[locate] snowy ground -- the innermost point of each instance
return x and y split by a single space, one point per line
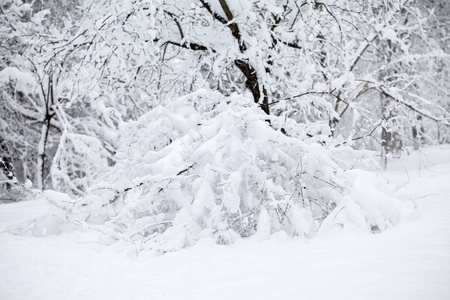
409 261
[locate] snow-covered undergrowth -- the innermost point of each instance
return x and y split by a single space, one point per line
212 166
409 261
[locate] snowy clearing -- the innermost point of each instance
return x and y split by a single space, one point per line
408 261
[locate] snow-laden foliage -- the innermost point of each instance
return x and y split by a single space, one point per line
219 171
213 166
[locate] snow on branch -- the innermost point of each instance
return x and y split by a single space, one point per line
394 94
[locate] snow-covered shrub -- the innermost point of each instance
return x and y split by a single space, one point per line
205 167
211 166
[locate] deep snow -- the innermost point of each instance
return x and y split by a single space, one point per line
408 261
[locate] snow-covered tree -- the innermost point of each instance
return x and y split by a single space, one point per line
316 61
389 94
41 102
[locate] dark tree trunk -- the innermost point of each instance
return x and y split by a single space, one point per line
253 85
417 133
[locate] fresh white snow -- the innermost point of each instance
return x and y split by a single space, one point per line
408 261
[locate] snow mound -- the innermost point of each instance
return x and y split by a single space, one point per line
371 206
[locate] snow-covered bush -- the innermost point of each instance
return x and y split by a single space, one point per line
212 166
